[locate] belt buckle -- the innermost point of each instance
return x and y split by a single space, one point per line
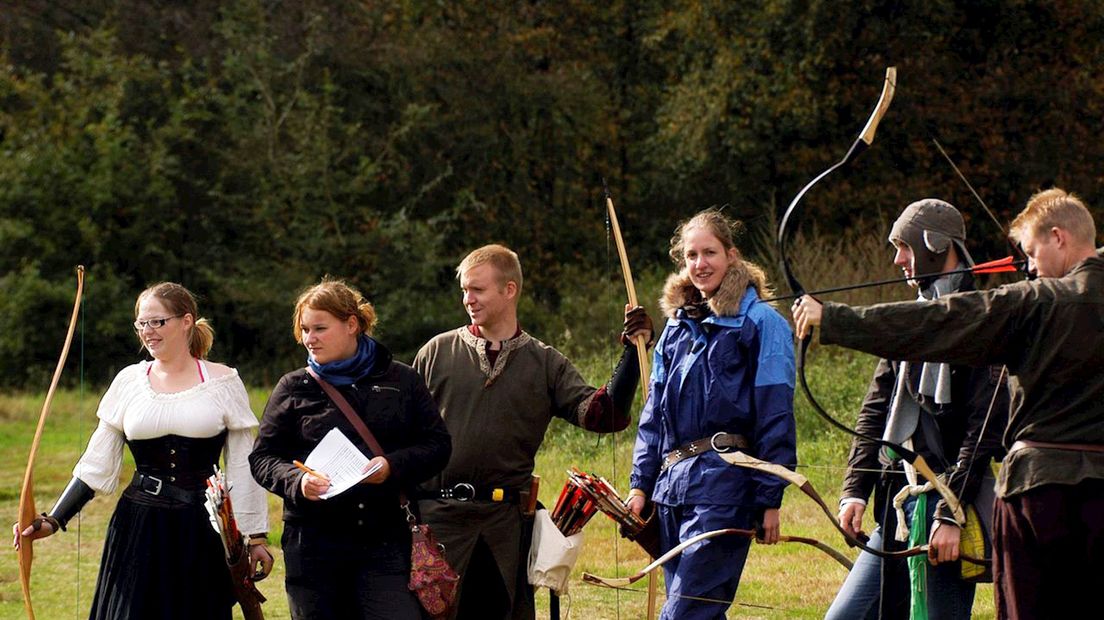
713 443
467 489
156 491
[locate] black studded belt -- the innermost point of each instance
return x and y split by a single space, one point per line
719 442
161 487
466 492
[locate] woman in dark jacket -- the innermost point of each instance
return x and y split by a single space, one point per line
348 556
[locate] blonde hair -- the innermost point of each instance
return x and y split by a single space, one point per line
1055 208
180 301
502 258
725 229
337 298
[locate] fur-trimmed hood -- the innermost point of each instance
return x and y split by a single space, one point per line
679 291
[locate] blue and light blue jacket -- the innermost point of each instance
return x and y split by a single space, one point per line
732 371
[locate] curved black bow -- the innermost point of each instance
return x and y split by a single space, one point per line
862 142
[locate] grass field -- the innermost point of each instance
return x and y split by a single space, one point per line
783 581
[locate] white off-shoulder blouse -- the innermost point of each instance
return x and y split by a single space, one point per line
131 409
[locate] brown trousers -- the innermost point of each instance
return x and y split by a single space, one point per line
1048 557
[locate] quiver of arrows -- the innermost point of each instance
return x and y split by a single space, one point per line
584 494
220 512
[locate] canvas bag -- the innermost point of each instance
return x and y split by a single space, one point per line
552 555
977 533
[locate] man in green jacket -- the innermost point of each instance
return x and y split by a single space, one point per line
1048 555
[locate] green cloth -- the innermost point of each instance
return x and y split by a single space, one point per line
918 564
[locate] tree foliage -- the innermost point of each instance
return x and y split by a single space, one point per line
246 149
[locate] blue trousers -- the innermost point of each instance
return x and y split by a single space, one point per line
949 597
707 570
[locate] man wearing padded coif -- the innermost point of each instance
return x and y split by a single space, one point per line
935 233
937 410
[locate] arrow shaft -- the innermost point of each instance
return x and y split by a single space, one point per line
1006 265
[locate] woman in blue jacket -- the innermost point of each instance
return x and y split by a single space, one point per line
723 380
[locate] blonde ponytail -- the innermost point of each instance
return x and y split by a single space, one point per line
201 339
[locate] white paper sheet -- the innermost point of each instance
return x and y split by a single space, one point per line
341 461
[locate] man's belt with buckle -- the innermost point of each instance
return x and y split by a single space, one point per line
718 442
466 492
152 485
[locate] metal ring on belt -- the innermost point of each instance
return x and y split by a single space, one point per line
713 442
466 492
461 492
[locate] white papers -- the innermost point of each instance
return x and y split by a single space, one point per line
339 459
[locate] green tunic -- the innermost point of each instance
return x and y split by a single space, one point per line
497 417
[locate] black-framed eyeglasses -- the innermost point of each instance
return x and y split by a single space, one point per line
154 323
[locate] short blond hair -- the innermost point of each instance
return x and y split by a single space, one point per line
502 258
1055 208
337 298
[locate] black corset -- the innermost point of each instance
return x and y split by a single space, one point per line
181 461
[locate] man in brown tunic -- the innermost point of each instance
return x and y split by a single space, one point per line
1048 556
498 389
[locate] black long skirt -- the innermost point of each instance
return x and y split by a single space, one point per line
161 560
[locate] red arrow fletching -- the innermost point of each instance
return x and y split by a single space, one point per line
1000 265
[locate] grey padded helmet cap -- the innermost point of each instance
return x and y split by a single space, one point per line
928 227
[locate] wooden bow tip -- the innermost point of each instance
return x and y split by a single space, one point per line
614 582
889 87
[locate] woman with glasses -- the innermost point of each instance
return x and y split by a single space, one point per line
348 555
178 413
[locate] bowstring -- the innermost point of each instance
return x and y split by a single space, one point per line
80 442
613 439
1002 379
840 468
703 599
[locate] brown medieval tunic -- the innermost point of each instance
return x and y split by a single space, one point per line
497 415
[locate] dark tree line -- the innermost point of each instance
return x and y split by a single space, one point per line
245 149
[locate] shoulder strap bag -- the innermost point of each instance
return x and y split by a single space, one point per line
432 580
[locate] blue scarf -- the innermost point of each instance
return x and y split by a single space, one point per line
350 369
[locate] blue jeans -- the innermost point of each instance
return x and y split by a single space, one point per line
949 597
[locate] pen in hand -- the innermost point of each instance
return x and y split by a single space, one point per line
310 471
